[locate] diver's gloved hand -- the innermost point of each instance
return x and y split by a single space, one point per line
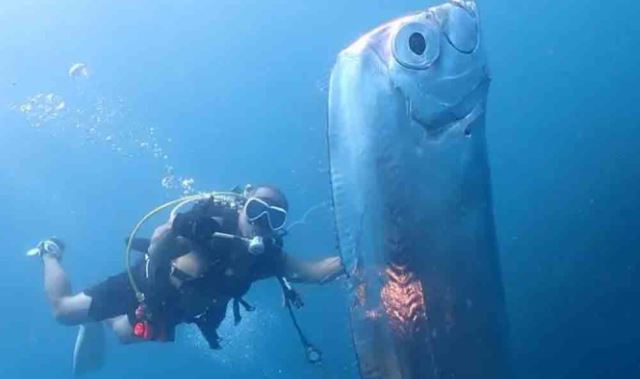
51 247
195 227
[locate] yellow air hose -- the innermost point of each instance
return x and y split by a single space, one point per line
177 204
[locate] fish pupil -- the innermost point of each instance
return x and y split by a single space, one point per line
417 43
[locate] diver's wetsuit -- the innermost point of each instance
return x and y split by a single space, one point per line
231 271
115 296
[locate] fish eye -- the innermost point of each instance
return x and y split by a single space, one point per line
417 45
461 28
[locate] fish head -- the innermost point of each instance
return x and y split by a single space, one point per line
406 121
434 59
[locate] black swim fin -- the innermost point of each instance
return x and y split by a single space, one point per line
89 351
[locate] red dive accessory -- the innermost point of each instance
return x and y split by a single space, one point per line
142 327
148 328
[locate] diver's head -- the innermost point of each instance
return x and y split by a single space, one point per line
264 212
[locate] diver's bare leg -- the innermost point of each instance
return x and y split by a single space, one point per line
123 329
68 309
56 283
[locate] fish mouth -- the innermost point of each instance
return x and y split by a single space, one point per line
453 118
433 130
456 126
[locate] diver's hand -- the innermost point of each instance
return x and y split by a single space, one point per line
195 228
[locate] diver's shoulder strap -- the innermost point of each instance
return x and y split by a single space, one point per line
237 302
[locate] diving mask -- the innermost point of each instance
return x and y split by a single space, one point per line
256 208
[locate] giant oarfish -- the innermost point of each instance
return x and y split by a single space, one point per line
412 198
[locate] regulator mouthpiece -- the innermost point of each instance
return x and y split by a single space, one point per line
256 245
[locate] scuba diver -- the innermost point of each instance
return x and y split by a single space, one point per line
195 265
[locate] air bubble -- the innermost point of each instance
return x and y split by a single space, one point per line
79 70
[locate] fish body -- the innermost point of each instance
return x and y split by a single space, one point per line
412 198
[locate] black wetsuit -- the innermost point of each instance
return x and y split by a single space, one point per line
232 270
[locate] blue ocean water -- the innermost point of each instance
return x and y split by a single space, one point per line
190 96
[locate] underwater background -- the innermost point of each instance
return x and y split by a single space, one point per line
180 97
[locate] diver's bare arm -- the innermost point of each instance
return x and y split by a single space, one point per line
319 272
166 245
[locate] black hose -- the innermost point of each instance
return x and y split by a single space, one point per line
313 354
